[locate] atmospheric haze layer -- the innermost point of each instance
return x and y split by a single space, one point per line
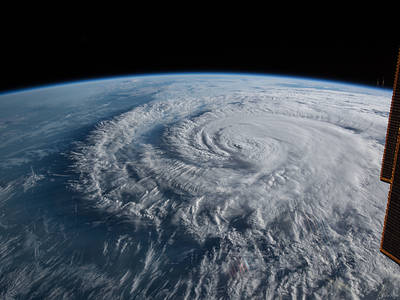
194 186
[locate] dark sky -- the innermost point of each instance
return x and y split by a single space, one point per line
42 55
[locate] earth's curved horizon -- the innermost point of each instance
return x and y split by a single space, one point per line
75 81
194 186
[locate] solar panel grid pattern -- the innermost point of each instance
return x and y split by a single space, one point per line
392 129
390 243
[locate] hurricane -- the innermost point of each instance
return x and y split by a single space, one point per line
229 187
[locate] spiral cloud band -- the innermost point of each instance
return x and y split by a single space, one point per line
244 186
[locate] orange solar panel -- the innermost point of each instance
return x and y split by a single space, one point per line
390 243
392 130
390 172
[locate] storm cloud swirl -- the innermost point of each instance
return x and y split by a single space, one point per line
243 191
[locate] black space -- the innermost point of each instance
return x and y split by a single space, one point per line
37 56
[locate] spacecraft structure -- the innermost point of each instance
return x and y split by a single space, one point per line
390 173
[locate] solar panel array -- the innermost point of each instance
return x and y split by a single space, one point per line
390 172
390 243
392 130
